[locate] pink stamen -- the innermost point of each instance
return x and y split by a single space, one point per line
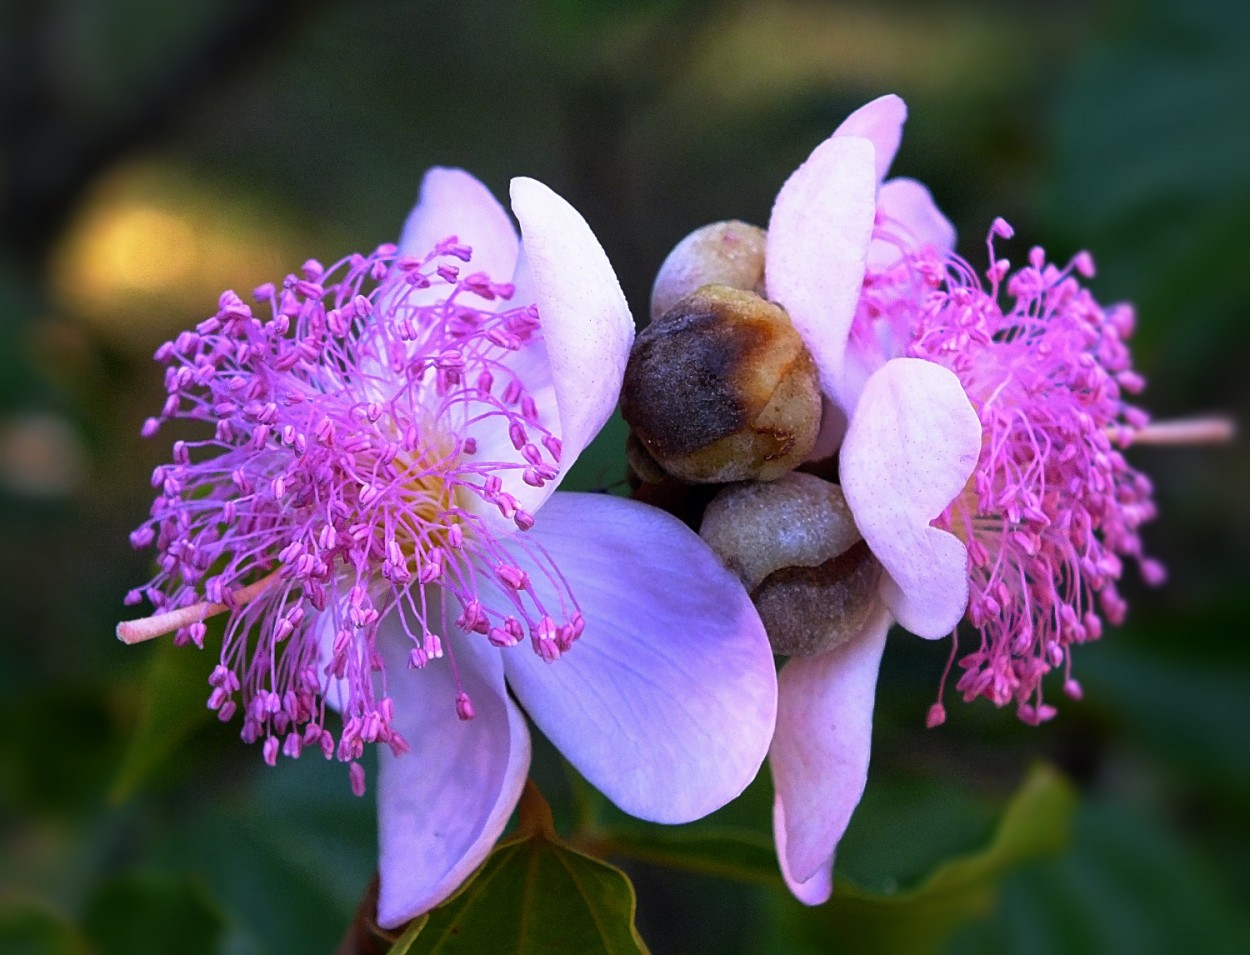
1053 507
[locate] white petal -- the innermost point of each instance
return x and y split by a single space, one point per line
442 806
818 239
573 372
494 439
820 753
667 701
912 444
586 322
909 204
819 888
335 691
452 202
881 123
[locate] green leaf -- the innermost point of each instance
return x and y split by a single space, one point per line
152 913
173 694
727 853
921 919
535 894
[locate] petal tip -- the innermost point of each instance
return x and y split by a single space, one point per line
451 201
880 121
818 238
587 326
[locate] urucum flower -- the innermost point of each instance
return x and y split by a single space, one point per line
365 493
982 461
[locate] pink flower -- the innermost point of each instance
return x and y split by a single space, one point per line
981 460
374 512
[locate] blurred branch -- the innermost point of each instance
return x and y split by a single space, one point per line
48 157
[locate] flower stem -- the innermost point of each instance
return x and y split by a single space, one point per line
1213 430
534 815
147 628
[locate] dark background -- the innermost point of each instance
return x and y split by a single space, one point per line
156 153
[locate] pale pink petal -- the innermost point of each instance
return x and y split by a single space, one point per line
816 890
667 702
820 753
323 633
818 239
452 202
335 691
912 216
573 372
442 806
911 446
881 123
832 430
586 322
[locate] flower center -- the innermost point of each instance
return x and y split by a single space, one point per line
365 436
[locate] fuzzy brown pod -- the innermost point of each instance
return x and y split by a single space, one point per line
720 389
794 545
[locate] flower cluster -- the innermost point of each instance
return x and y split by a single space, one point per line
980 456
372 493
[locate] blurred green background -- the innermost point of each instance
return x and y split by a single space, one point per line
156 153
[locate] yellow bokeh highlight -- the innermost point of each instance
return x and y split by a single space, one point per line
152 248
142 248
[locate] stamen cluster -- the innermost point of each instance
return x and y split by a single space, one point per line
1053 507
338 489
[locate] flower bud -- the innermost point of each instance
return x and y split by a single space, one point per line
794 545
641 463
722 253
721 389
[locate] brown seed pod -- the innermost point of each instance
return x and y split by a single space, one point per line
722 253
721 389
794 545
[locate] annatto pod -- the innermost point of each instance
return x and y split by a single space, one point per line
721 253
720 389
795 546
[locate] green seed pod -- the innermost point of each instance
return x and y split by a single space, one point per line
723 253
794 545
722 389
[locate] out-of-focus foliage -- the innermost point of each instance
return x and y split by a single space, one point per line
922 918
153 154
